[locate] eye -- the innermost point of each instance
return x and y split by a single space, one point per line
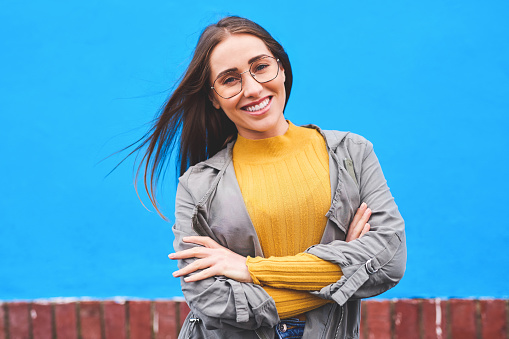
263 65
230 79
260 67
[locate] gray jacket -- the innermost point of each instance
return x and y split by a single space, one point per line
209 203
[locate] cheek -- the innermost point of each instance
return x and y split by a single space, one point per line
229 107
281 87
220 103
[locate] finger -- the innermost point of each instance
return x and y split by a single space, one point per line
365 230
194 266
207 273
358 214
200 240
355 232
364 219
195 252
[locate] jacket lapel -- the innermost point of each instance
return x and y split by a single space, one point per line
223 205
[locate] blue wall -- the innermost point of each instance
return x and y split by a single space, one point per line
426 82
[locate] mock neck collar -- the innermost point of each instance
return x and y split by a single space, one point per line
274 148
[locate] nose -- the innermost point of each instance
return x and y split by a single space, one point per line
251 87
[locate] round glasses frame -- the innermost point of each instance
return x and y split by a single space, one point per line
252 75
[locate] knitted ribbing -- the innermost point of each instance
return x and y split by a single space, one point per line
285 185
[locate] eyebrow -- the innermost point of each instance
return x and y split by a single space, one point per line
235 69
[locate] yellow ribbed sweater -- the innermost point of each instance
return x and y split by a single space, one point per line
285 185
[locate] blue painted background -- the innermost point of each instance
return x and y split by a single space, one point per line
426 82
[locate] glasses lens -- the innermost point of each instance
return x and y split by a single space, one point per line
264 69
228 84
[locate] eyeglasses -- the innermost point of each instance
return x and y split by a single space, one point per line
263 70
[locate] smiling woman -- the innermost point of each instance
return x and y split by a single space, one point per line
257 112
273 234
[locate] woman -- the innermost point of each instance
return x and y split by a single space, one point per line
271 234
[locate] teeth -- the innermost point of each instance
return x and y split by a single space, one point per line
258 107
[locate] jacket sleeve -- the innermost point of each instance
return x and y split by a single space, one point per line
219 302
377 261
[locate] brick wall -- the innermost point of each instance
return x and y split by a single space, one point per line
145 319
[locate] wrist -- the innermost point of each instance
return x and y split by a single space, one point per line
254 280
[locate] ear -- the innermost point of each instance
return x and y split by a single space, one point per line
282 71
214 101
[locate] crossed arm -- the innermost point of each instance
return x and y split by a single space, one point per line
291 299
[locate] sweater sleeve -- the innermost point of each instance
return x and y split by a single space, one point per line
300 272
290 303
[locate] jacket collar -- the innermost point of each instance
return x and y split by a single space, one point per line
220 158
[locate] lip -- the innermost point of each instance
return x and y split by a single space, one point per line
260 112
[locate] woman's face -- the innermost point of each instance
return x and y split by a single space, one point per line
265 121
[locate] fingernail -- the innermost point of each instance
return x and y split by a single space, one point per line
366 212
171 255
363 205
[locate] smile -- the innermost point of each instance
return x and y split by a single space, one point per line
257 107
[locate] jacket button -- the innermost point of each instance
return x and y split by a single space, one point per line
283 327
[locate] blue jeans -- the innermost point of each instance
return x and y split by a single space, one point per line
290 329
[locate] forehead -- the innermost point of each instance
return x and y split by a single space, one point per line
235 52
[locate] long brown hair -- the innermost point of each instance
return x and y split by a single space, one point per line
204 130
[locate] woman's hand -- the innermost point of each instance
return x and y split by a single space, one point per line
213 259
359 225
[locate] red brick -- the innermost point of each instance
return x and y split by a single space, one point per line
90 319
183 312
165 320
66 325
361 331
3 329
462 317
362 324
493 319
19 324
433 319
139 319
406 319
41 315
378 319
114 319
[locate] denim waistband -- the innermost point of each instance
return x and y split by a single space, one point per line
290 329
